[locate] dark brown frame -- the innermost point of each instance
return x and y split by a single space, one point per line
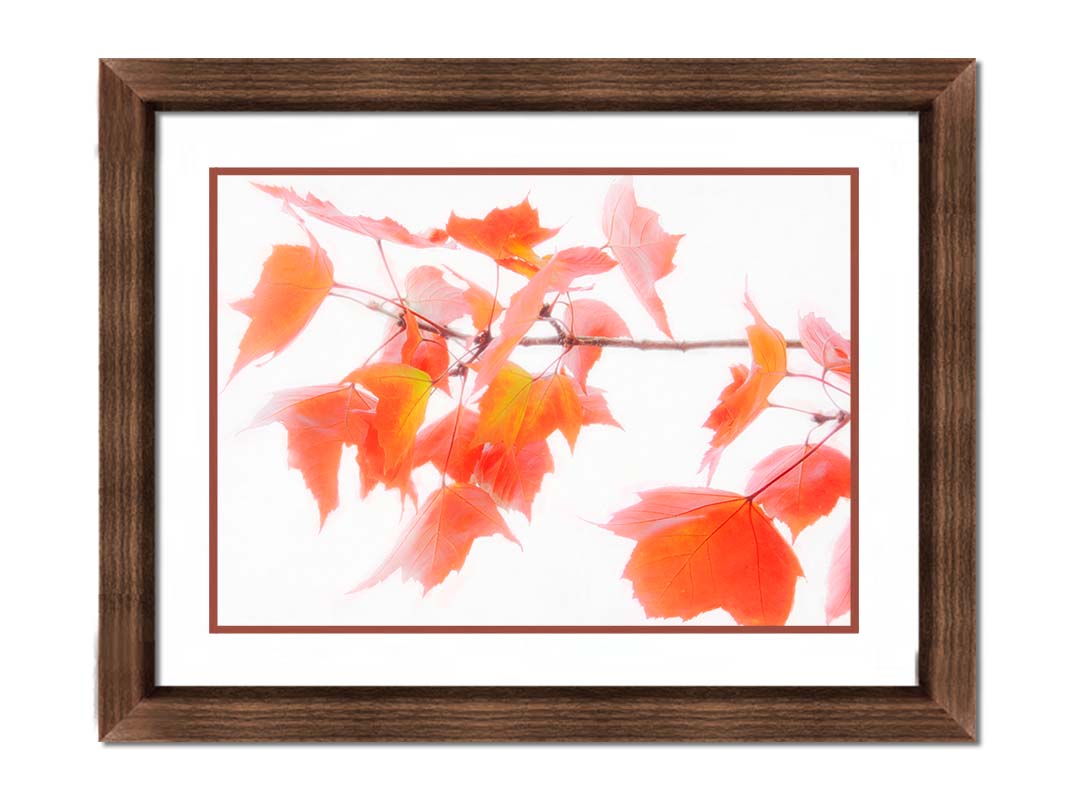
942 707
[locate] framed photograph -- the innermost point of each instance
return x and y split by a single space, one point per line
429 415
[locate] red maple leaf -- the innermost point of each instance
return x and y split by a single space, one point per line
450 440
590 318
513 476
701 549
370 457
419 348
803 483
320 421
595 409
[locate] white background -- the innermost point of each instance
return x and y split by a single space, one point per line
49 469
883 147
788 234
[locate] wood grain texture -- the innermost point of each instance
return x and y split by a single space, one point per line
538 85
941 708
126 668
948 406
482 714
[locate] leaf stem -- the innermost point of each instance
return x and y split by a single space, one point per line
823 381
426 323
818 416
383 345
455 428
389 272
496 292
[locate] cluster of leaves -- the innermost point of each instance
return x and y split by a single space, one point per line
704 548
697 548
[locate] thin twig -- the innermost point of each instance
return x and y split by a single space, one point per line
380 307
563 333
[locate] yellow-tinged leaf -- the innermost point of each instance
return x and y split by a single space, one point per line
402 393
503 405
518 409
552 405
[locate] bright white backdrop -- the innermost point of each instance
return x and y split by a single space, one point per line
789 235
50 568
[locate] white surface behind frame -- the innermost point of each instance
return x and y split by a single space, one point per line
884 147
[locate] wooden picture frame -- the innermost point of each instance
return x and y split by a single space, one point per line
943 705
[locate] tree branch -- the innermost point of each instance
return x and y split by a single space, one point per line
564 340
640 344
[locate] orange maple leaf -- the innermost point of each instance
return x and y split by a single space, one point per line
450 440
701 549
294 282
644 250
506 235
513 476
801 483
746 397
440 536
370 457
